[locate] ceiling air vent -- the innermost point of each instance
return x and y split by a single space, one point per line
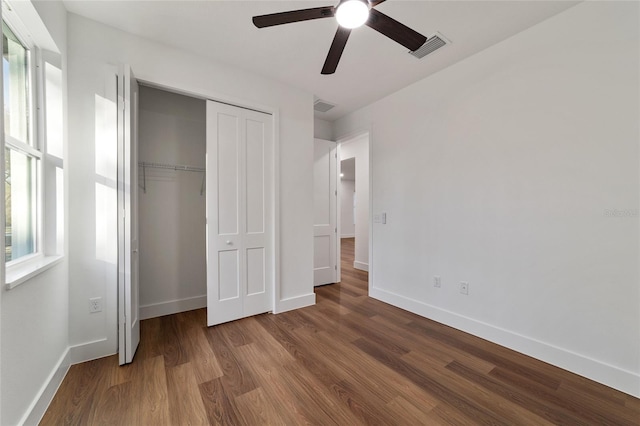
322 106
433 43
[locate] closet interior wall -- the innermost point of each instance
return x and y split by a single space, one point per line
171 206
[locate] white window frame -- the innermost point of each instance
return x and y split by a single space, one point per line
18 271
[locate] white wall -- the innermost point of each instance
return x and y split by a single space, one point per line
34 314
358 148
502 171
91 47
172 211
322 129
347 227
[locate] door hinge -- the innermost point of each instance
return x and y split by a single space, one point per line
335 155
335 230
335 267
335 192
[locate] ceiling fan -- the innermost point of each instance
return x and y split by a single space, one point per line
349 14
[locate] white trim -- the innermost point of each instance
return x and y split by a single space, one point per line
41 402
24 271
275 291
212 96
220 97
28 25
23 148
2 197
609 375
348 236
339 214
89 351
361 266
155 310
295 303
343 140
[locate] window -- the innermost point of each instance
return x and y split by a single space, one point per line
22 159
32 145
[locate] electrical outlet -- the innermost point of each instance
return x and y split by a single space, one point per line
437 282
95 304
464 287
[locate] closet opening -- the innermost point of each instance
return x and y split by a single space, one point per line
171 202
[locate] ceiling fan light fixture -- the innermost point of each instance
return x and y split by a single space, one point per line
352 13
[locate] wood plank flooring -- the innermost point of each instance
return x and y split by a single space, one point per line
348 360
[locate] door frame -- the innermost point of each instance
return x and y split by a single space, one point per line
343 139
149 81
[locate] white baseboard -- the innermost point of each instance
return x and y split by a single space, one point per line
348 236
361 265
622 380
172 307
89 351
294 303
41 402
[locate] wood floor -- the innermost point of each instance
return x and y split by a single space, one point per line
348 360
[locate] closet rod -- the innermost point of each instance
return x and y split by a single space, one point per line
171 167
175 167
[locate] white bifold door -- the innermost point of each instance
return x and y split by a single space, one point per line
325 196
128 260
240 213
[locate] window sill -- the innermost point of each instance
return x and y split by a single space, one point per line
19 274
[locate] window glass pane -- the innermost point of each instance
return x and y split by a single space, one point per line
53 109
16 89
19 207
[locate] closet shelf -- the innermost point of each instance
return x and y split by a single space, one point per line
176 167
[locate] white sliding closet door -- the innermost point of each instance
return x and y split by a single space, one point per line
240 218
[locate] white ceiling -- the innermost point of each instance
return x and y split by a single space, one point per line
372 66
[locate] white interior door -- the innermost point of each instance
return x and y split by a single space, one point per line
240 217
128 259
325 196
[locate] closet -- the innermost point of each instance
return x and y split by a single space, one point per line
206 207
171 197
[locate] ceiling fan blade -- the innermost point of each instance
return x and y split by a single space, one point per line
293 16
396 31
335 52
374 3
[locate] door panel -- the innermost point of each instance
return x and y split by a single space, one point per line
229 281
325 206
228 156
255 155
128 259
256 278
240 204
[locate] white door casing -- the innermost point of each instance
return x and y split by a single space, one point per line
325 262
240 213
128 259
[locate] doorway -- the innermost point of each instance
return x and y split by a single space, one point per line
354 199
171 198
226 155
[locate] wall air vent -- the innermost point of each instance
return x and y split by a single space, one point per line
322 106
433 43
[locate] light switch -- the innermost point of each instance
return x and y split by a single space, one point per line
384 218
